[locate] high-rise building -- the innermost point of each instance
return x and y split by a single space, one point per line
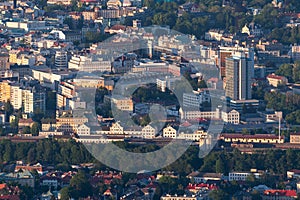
16 96
239 70
33 99
61 59
225 52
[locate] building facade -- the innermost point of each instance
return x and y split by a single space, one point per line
239 71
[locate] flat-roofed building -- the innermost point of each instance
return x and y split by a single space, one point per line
239 71
242 176
188 113
258 138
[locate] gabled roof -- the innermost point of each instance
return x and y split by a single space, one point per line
286 193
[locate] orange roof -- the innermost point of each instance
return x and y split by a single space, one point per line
2 186
202 185
287 193
118 27
275 76
22 121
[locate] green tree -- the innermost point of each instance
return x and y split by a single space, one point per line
220 166
202 84
26 130
65 193
35 129
8 107
8 154
218 195
80 186
286 70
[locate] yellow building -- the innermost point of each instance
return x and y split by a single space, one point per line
122 103
13 56
94 82
275 80
4 91
295 138
69 124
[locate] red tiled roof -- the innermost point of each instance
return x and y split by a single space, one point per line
296 171
22 121
202 185
186 124
294 133
287 193
275 76
10 197
118 27
2 186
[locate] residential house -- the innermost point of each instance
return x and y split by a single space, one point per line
38 167
149 132
279 195
276 80
169 132
230 116
25 122
83 130
24 178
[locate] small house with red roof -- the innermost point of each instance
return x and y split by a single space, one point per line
194 188
276 80
279 195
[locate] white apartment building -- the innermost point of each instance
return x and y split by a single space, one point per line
83 130
33 99
197 114
27 25
169 132
195 136
16 96
198 135
61 59
231 116
196 98
168 82
242 176
48 77
89 64
148 132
